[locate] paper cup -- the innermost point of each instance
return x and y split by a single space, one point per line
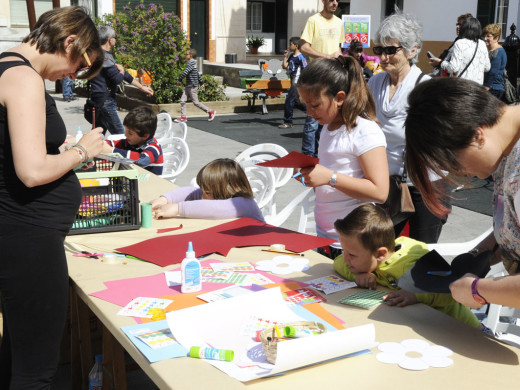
146 215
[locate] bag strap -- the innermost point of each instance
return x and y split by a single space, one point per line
470 61
404 177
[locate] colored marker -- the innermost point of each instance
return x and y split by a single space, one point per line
283 253
439 273
297 175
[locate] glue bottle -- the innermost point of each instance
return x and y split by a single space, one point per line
79 134
191 277
95 377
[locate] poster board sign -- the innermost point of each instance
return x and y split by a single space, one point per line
356 27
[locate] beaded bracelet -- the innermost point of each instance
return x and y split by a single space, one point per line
79 152
85 154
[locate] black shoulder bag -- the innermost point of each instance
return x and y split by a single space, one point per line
92 111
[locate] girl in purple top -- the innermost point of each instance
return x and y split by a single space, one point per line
356 50
224 193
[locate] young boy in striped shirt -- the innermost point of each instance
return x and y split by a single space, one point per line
139 145
193 80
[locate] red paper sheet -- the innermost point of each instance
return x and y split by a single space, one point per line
291 160
242 232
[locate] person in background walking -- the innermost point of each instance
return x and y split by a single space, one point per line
193 80
67 86
494 79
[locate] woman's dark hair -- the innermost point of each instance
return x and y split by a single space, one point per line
54 26
341 74
471 29
443 117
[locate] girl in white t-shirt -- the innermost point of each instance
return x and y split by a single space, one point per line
353 167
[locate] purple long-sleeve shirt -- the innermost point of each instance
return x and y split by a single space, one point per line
191 205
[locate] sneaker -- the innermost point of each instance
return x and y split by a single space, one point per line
181 119
285 126
211 115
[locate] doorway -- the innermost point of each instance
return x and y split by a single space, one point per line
198 19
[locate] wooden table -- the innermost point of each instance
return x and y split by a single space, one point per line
480 362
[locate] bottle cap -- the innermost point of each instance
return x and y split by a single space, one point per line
190 254
289 331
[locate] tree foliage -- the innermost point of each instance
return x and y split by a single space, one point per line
150 39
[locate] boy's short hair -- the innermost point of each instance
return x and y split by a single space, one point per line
193 53
371 224
142 120
494 29
296 41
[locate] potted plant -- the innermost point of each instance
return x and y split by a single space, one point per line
254 42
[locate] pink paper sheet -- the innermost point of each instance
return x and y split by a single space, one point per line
242 232
291 160
123 291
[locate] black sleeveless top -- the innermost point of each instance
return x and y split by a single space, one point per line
53 205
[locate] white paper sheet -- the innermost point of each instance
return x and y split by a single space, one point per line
218 325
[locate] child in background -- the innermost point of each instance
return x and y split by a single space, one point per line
193 80
356 50
294 62
353 166
139 145
224 193
372 256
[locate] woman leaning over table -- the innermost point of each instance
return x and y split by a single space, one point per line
455 125
398 43
39 192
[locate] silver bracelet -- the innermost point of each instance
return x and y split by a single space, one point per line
82 148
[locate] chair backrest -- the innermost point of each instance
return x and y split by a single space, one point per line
176 155
262 182
164 125
116 137
307 222
179 130
295 204
453 249
266 152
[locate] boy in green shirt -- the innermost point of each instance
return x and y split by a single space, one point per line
372 256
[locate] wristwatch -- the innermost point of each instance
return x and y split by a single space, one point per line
333 180
476 296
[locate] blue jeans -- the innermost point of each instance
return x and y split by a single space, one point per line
68 87
311 136
110 120
290 100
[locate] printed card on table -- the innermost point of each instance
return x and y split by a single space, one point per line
224 293
331 284
302 296
139 307
158 338
234 267
365 299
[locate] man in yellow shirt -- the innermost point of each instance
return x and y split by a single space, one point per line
321 37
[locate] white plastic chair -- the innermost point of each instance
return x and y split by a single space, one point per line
454 249
176 157
262 183
295 204
164 125
179 130
116 137
266 152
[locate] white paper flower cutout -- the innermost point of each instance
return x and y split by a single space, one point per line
414 354
283 265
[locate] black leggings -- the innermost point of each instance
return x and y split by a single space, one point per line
34 297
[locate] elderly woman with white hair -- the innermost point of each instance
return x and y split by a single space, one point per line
398 43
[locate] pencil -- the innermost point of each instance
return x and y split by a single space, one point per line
283 253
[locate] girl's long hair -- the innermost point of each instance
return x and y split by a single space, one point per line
341 74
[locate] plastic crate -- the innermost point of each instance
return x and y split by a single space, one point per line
110 199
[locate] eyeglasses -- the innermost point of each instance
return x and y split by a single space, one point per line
89 64
388 50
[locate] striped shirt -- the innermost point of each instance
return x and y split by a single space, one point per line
192 75
149 155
